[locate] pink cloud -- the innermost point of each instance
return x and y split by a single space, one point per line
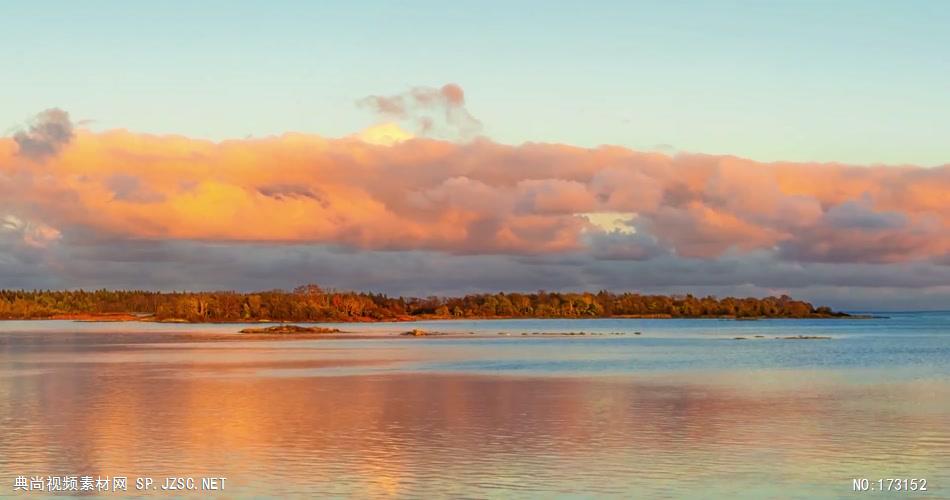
480 197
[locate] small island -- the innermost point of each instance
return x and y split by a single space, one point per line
291 329
415 332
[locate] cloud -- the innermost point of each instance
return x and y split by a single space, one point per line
860 215
623 246
433 112
130 188
46 135
554 196
854 232
33 235
478 198
283 192
612 222
384 134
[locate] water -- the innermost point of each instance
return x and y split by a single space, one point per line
682 410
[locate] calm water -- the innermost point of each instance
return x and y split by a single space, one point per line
682 410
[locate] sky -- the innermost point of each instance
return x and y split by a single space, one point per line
728 148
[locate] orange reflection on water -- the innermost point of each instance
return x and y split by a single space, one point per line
412 434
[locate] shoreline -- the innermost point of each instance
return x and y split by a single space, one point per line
135 318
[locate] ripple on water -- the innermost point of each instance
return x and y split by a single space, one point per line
649 417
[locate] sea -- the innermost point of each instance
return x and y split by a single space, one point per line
550 408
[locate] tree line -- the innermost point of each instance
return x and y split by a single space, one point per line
311 303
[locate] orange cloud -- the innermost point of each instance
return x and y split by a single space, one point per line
479 197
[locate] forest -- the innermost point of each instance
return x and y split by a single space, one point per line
311 303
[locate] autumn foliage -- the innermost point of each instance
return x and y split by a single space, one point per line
312 303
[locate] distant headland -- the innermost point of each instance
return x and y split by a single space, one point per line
311 303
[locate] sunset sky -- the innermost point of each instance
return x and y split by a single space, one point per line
726 148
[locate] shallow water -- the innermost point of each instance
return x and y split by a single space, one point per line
681 410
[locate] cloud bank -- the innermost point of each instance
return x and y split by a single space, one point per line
476 201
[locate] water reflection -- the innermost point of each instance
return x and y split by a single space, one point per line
201 409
